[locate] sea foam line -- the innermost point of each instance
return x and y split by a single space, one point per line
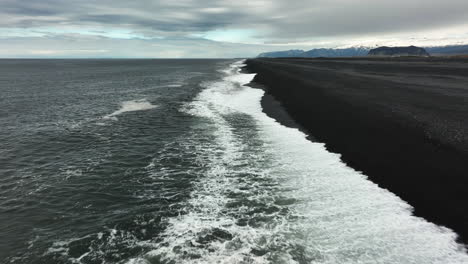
342 216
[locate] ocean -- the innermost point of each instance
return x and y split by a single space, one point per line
174 161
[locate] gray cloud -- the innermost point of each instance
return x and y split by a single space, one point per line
285 19
271 21
341 17
165 16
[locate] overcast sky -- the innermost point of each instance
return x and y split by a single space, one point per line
221 28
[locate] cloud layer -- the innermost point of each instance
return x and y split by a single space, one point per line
185 24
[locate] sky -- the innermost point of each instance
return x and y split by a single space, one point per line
220 28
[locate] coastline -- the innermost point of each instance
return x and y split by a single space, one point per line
386 133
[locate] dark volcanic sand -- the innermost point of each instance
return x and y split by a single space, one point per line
401 121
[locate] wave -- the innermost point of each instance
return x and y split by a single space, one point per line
130 106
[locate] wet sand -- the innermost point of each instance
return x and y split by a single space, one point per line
401 121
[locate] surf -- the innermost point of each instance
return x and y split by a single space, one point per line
273 196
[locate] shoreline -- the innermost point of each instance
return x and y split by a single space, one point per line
394 150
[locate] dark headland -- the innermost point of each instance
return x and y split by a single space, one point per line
398 51
401 121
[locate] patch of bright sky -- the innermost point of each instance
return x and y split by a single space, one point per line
456 35
49 31
230 35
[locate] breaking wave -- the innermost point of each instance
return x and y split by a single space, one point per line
130 106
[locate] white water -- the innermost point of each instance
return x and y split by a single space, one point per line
130 106
174 85
333 213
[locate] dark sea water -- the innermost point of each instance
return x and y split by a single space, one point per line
173 161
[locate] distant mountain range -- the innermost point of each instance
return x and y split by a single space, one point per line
280 54
448 50
349 52
359 51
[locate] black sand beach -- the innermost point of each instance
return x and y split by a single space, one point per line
401 121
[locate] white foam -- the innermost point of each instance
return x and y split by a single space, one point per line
343 217
72 172
338 216
174 85
130 106
206 210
